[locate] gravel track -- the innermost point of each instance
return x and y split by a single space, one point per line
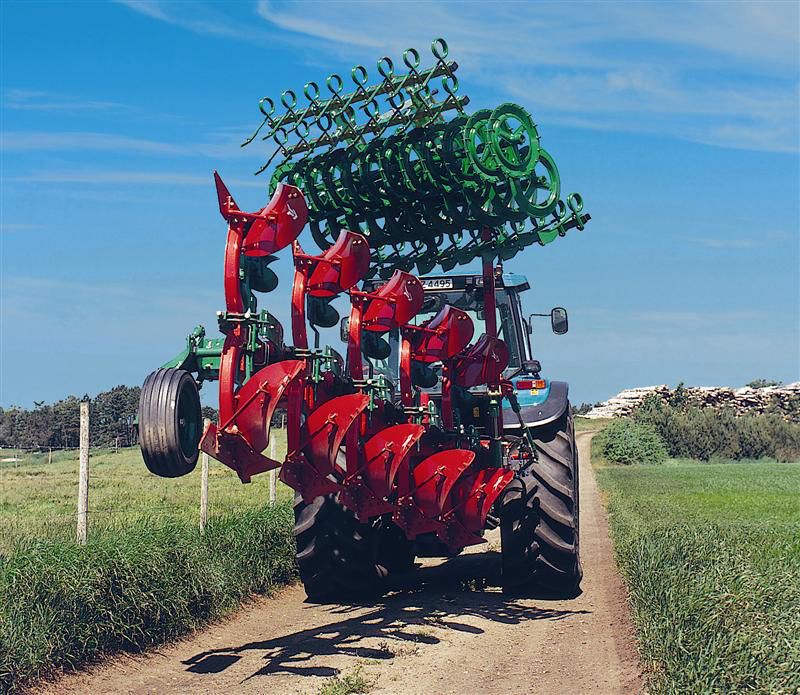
449 630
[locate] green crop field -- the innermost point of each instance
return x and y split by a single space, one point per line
711 555
38 500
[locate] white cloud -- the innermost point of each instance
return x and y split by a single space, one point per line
717 73
112 177
50 141
32 100
226 146
198 17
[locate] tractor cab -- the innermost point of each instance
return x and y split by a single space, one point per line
465 292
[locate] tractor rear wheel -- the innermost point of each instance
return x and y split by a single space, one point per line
540 516
336 554
170 422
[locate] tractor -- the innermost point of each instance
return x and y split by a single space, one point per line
432 424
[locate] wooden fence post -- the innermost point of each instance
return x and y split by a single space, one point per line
49 455
83 475
273 476
204 486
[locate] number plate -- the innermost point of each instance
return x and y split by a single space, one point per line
534 392
437 283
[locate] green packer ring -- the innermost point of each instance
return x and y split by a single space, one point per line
508 146
526 190
476 137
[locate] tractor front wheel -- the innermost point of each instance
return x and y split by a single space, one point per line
540 516
170 422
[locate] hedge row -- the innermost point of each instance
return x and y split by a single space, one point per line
706 433
62 605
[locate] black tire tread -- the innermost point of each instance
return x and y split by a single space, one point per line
159 435
557 533
335 553
539 517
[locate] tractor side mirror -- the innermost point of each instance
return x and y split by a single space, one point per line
344 329
558 320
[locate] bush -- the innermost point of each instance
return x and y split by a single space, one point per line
628 441
62 605
705 433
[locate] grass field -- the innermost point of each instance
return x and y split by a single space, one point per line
711 555
146 576
585 424
39 500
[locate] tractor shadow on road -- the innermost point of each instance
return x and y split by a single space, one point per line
440 596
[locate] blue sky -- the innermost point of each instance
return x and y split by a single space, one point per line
677 122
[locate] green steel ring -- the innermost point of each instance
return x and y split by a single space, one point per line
412 164
281 173
332 180
390 169
514 139
321 238
434 163
526 191
314 187
370 182
454 154
478 146
504 204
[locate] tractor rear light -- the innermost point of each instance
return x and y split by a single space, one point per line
530 384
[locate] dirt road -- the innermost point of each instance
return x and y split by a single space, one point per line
438 637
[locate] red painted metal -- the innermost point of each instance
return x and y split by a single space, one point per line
431 482
355 363
341 266
312 471
406 392
257 399
245 416
368 488
228 372
469 502
326 427
395 303
278 224
482 363
234 452
443 336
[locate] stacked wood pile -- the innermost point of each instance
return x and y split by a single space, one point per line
784 400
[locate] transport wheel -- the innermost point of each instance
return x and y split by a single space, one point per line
336 554
540 514
170 422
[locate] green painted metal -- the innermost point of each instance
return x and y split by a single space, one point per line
400 161
201 355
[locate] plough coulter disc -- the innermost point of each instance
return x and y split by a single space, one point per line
170 422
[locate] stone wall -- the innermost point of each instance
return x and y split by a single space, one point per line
782 399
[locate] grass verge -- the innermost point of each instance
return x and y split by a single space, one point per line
711 556
62 605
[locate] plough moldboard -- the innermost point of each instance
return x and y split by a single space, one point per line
391 177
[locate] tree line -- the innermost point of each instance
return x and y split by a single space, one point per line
112 421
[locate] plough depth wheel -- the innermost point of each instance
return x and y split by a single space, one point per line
170 422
